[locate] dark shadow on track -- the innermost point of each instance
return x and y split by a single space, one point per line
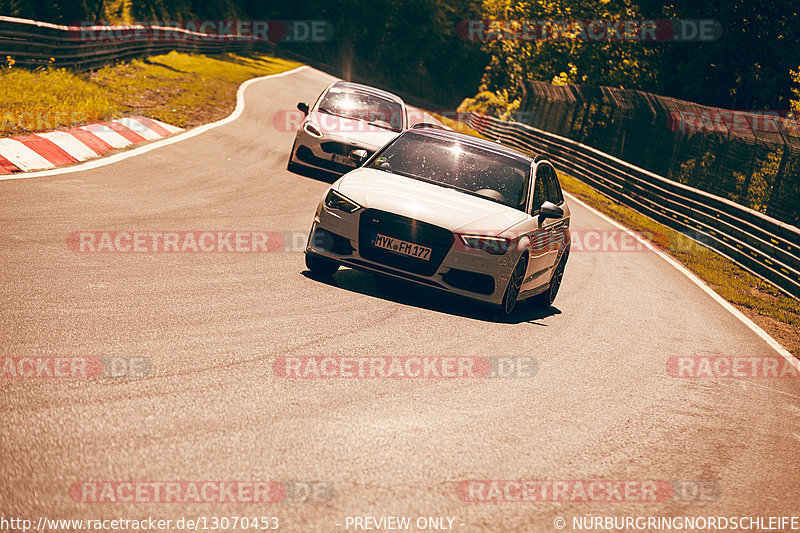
319 175
406 293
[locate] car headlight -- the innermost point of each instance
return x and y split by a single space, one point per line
335 200
492 245
311 129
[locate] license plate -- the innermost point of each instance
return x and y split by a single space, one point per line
342 160
401 247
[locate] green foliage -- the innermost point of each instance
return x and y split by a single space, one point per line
746 68
485 102
515 62
761 182
695 170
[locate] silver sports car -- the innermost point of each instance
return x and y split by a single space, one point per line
345 117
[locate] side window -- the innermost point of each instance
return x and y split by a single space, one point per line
553 187
539 190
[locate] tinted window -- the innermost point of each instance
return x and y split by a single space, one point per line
375 110
462 166
539 189
553 188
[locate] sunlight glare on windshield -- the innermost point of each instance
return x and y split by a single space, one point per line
456 149
347 103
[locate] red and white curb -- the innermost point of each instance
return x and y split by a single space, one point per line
44 151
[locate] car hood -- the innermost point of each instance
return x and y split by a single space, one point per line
351 131
435 204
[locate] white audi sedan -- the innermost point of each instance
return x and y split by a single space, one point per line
448 211
345 117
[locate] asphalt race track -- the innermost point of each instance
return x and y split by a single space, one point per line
599 406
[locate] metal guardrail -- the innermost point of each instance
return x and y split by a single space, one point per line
31 43
760 244
750 157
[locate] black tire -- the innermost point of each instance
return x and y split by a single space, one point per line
321 266
513 287
547 298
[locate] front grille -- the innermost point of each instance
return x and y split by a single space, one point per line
305 155
331 147
373 221
469 281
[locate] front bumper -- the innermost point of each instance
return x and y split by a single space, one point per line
320 152
452 267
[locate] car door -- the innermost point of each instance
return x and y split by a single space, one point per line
538 232
555 227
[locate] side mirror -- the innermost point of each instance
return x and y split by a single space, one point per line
358 156
302 106
550 210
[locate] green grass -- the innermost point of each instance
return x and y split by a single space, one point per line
45 99
181 89
776 313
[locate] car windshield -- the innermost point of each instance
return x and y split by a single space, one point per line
462 166
375 110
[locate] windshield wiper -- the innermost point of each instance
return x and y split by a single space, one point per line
381 124
329 112
349 117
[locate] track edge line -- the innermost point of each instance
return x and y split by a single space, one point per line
775 345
